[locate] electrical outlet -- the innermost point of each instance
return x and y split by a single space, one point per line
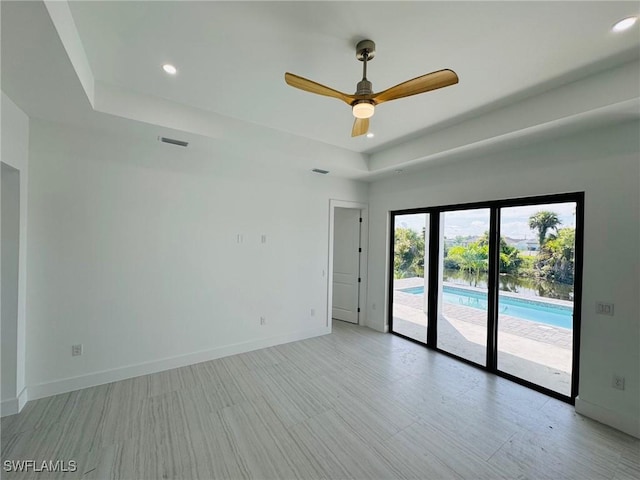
76 350
313 312
618 382
263 238
263 320
603 308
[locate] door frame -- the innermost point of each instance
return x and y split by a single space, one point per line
364 245
434 251
15 396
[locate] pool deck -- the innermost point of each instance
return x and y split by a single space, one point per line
534 351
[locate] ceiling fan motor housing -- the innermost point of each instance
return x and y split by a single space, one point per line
364 87
363 108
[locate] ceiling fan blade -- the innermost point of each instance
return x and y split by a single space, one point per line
314 87
425 83
360 127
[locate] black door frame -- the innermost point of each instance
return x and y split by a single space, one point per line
493 289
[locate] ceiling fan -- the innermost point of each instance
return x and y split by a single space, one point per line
364 101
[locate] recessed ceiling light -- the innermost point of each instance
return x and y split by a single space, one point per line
370 135
399 170
624 24
170 69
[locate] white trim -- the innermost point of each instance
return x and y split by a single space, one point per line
23 398
9 407
364 261
62 20
107 376
13 405
625 423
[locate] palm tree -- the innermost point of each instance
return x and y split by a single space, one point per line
474 259
544 221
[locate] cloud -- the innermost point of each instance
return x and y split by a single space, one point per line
514 221
516 229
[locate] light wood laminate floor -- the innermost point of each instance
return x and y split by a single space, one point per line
353 404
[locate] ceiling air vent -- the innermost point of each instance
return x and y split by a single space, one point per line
318 170
173 141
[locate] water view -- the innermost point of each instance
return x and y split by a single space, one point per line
532 310
526 286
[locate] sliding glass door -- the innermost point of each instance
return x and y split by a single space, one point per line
495 284
410 284
537 291
462 283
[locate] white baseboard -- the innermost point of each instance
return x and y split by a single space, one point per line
622 422
107 376
22 399
9 407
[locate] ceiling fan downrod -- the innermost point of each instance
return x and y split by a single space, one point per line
364 66
365 51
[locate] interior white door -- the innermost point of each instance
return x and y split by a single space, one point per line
346 264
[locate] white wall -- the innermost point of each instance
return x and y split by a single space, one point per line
605 164
133 253
9 244
15 148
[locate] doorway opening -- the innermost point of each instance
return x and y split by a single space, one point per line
347 262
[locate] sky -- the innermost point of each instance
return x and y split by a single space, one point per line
514 221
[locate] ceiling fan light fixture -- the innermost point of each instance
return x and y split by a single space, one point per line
363 110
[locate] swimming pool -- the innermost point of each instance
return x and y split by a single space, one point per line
533 310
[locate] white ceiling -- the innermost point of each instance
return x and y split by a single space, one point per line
232 56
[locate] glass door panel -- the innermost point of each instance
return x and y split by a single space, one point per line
535 303
409 275
462 289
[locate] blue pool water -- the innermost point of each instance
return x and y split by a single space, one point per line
534 310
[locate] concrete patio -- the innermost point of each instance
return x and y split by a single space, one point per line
536 352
